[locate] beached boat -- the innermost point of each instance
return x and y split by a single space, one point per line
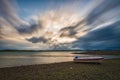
88 59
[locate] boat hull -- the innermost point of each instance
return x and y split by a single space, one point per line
88 60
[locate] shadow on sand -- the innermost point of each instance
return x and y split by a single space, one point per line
95 63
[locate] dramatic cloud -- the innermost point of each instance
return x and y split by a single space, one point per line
102 8
106 37
9 20
36 40
71 24
8 13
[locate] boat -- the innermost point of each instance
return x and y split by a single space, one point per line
88 59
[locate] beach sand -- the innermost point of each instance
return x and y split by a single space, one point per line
107 70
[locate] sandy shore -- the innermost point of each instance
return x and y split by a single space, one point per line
107 70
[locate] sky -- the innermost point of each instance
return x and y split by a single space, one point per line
60 24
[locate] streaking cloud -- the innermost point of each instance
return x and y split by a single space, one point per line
67 25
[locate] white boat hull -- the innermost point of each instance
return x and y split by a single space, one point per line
89 59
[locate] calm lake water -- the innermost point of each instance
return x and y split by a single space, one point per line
9 59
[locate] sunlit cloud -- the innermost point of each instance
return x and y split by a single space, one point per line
68 25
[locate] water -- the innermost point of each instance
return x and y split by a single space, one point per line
9 59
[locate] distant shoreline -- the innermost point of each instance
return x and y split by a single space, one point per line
39 50
53 50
